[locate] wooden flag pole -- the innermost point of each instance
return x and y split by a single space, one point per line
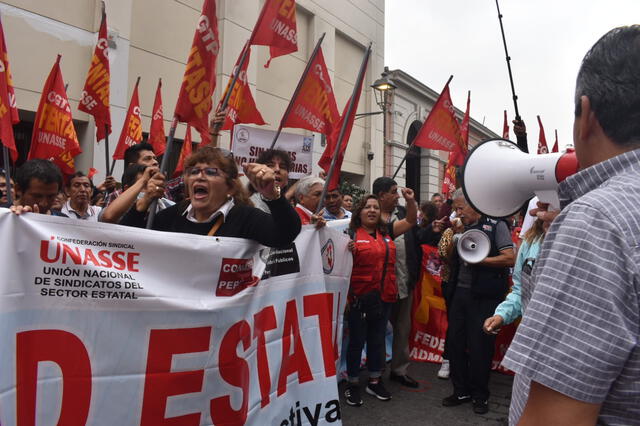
295 92
163 169
7 172
356 88
414 139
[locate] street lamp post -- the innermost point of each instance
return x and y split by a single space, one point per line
382 89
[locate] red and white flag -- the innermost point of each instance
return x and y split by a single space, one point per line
440 130
8 107
542 140
334 138
555 144
314 107
95 95
132 128
505 127
157 137
187 148
276 28
241 106
199 81
54 136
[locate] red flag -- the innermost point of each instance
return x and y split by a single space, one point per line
505 127
199 81
314 107
449 182
132 128
242 107
187 147
276 28
440 130
95 95
456 158
333 139
542 140
54 136
157 137
92 172
8 108
555 144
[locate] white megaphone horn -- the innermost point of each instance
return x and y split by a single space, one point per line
473 246
498 178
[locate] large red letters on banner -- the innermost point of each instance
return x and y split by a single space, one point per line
161 383
69 353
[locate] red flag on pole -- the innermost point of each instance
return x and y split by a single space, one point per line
440 130
276 28
457 157
199 81
505 127
555 144
449 182
8 107
157 137
242 107
314 108
187 148
332 140
132 128
54 136
95 95
542 140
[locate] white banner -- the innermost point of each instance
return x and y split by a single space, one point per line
249 142
107 325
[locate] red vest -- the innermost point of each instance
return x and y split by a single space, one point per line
305 219
368 263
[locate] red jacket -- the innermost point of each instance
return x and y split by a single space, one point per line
368 262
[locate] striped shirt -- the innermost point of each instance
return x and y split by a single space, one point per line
580 334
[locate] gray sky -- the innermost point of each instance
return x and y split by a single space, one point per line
432 39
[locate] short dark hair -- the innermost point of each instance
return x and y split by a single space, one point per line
132 154
383 184
43 170
429 211
610 77
130 173
269 154
75 175
437 194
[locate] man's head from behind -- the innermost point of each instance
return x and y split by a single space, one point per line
279 161
463 209
333 201
141 153
386 189
38 182
309 191
607 97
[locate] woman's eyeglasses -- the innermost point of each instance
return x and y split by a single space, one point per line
208 171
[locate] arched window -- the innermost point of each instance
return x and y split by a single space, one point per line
413 160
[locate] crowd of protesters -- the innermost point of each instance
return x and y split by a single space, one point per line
573 362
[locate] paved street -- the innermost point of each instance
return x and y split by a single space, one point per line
424 406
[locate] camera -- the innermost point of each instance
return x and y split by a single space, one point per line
370 155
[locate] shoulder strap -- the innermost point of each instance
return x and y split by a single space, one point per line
384 265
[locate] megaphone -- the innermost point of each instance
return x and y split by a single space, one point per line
473 246
498 178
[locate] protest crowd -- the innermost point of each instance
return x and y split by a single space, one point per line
569 274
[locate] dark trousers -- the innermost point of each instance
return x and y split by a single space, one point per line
470 349
447 294
367 324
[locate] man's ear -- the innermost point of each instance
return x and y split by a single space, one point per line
587 121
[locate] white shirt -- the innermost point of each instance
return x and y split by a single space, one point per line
223 210
91 215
